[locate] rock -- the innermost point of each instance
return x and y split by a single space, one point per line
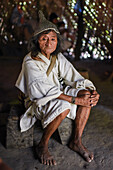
14 137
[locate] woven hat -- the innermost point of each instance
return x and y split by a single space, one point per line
44 25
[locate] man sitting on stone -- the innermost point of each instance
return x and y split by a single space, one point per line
55 89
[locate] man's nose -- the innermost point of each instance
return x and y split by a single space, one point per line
48 42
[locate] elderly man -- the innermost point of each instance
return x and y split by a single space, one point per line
55 89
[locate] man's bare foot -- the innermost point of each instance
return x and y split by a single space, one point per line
79 148
45 157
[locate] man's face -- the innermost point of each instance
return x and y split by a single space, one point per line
48 43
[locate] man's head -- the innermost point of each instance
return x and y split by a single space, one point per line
47 42
45 28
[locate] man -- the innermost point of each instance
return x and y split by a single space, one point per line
56 90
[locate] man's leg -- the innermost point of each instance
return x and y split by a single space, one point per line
82 116
42 148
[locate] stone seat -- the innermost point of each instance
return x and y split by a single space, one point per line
16 139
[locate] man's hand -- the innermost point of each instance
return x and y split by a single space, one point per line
94 97
87 99
84 98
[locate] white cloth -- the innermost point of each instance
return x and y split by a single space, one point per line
43 90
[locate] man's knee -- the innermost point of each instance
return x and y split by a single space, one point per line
83 92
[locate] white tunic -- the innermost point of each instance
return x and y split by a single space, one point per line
43 90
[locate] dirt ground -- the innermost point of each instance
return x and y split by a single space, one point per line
98 133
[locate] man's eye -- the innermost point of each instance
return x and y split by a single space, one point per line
44 39
52 39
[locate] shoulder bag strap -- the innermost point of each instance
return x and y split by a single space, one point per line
53 61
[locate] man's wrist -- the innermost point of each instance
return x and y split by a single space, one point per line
73 100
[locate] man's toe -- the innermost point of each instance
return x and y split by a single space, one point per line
47 162
91 156
50 162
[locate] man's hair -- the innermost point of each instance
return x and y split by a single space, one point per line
34 48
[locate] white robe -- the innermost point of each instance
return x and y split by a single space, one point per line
43 90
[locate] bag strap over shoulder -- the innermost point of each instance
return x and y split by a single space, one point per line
53 61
